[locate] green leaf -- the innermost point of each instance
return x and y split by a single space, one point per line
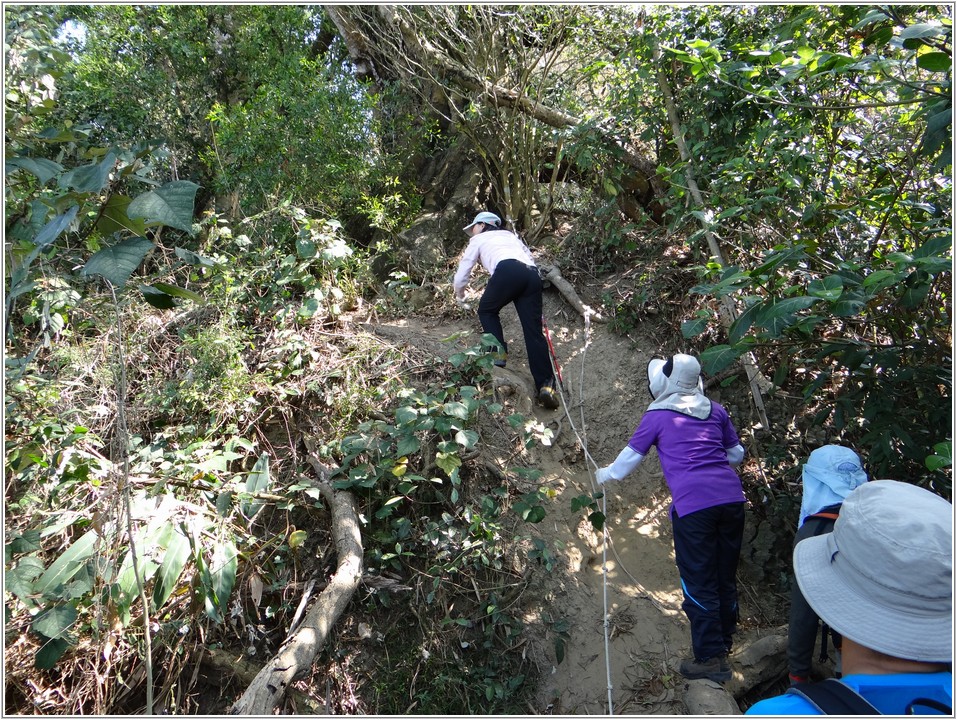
934 61
89 178
827 288
467 438
156 298
449 462
191 258
175 559
717 357
456 410
114 217
258 480
739 328
44 170
170 205
780 313
117 263
19 580
51 231
407 445
179 292
222 575
54 622
48 655
405 414
691 328
913 36
67 564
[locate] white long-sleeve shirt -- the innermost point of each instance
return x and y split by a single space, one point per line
489 248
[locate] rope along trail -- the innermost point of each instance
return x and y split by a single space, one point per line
606 534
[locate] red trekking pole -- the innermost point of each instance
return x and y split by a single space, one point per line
551 350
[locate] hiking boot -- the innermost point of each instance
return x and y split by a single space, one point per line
548 397
716 668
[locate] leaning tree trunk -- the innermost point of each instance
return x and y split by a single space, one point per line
296 656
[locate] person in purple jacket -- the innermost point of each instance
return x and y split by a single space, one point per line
697 446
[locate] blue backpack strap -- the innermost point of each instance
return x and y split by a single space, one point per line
832 697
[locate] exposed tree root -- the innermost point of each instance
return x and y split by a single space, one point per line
553 275
267 690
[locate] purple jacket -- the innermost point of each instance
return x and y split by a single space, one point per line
693 455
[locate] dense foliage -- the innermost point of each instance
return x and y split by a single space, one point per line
196 197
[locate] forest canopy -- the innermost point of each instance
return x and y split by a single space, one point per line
199 200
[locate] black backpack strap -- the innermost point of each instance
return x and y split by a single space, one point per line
832 697
928 703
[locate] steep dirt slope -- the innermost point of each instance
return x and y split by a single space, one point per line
605 394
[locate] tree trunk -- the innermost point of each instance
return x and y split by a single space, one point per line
296 656
423 62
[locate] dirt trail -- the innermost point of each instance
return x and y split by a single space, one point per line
605 394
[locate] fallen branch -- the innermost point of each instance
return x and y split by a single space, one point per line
297 654
554 276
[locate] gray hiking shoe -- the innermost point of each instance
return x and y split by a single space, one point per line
548 397
716 668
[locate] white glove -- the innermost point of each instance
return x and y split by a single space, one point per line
462 304
603 475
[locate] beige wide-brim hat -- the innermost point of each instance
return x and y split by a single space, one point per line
883 576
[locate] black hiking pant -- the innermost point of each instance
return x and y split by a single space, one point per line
707 547
515 282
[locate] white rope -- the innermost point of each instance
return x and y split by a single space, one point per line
605 535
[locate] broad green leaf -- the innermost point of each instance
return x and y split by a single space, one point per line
114 218
456 410
51 231
913 36
68 564
156 298
44 170
467 438
405 414
174 560
29 541
717 357
19 580
826 288
880 279
448 461
170 205
89 178
117 263
51 651
739 328
694 327
781 313
934 61
55 622
258 480
407 445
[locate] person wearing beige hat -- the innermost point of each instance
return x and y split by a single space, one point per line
883 579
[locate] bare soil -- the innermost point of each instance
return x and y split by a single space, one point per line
630 665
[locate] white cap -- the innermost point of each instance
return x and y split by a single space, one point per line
485 218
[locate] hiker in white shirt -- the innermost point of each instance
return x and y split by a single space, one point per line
514 279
